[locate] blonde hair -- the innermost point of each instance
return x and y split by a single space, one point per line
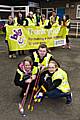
54 62
29 59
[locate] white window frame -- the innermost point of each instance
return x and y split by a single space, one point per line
77 11
11 9
47 11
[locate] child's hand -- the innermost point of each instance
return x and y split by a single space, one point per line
33 77
28 80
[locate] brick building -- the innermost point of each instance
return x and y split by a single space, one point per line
70 7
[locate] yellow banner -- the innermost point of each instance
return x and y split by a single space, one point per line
25 38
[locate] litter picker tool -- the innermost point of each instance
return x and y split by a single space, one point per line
21 105
30 104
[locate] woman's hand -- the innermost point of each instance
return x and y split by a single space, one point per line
41 66
28 80
33 77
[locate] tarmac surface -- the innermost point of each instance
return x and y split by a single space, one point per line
49 109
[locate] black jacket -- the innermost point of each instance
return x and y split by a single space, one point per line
46 81
17 80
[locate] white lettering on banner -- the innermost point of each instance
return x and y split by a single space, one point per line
50 31
53 31
25 38
43 31
36 32
56 31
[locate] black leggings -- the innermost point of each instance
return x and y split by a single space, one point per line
67 40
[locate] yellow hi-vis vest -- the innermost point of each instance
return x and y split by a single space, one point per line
56 22
15 21
61 74
30 22
35 20
45 61
65 24
45 23
34 71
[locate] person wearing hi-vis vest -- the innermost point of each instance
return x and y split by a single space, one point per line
66 24
43 21
54 83
54 19
41 56
20 20
25 74
37 17
10 22
29 20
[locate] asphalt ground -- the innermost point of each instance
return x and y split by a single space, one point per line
49 109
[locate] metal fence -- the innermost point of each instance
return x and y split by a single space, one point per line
74 28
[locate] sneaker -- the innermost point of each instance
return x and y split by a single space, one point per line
10 56
39 97
63 46
69 98
69 47
14 56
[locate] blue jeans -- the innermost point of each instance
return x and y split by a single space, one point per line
56 93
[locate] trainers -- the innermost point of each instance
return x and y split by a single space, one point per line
14 56
69 98
69 47
39 97
10 56
63 46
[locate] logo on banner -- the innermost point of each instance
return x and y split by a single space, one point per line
18 36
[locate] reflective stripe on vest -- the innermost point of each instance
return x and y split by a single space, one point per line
21 73
34 71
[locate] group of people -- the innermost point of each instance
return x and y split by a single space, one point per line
53 80
37 19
